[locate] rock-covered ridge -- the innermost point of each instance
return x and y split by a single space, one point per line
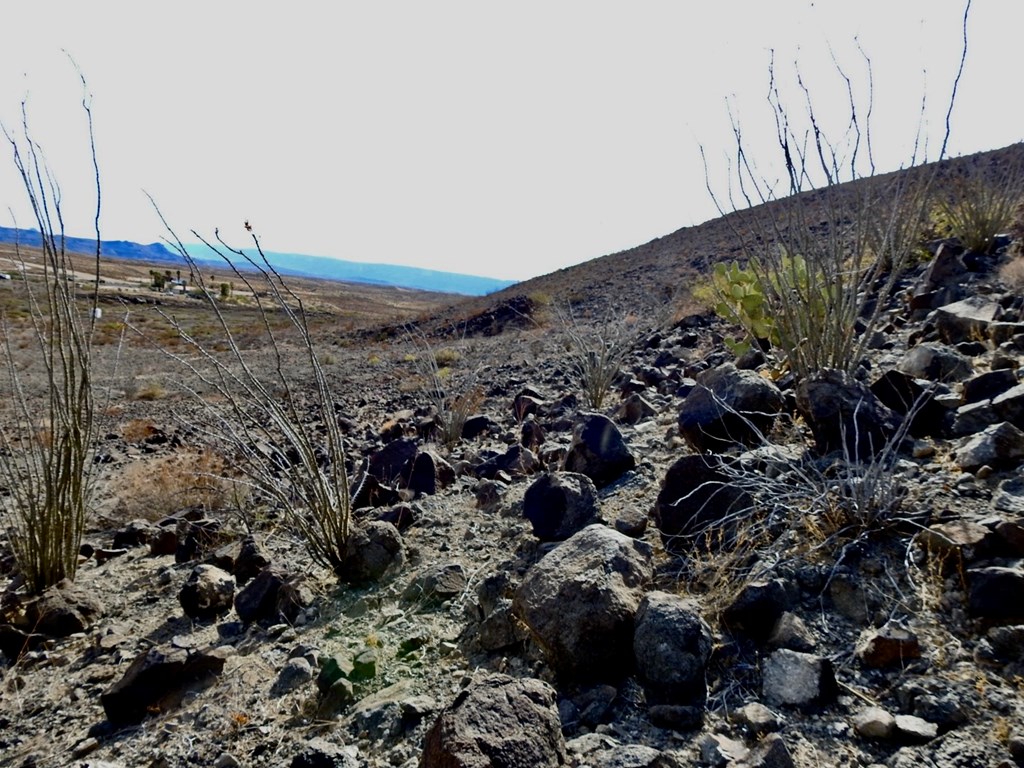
724 568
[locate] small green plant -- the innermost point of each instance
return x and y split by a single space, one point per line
225 290
784 304
454 395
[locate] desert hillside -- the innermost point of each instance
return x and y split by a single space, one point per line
564 525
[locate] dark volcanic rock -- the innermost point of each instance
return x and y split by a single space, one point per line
598 450
154 675
580 599
844 414
729 407
273 595
671 646
697 500
560 504
498 722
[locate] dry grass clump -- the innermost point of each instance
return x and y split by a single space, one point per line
980 202
155 488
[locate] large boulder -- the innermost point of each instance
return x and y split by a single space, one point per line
598 450
559 504
698 501
671 646
580 599
498 722
729 407
843 414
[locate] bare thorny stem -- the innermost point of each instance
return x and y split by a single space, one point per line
295 459
45 461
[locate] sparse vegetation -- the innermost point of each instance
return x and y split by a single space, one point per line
283 438
597 350
46 437
978 203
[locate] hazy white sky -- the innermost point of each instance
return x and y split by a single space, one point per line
504 139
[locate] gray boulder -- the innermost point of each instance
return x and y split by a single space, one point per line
374 550
208 592
966 320
935 362
671 647
999 446
729 407
698 501
560 504
497 722
598 450
580 599
843 414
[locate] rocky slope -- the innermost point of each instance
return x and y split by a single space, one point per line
659 584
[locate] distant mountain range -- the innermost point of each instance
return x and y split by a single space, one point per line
298 264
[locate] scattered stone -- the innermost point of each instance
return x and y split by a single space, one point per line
729 407
374 550
914 729
769 752
988 385
336 699
996 593
844 415
695 501
718 750
874 723
196 538
797 679
435 584
207 593
791 632
1000 445
671 646
274 596
598 450
580 599
676 717
392 464
498 721
62 610
634 409
152 676
966 320
936 362
757 718
889 646
757 608
515 462
559 504
136 533
962 540
295 674
321 753
250 561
